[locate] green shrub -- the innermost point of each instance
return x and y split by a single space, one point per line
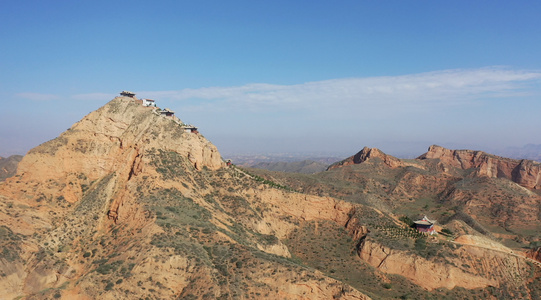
447 231
406 220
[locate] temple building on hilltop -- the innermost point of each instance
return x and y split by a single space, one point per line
167 113
190 129
127 94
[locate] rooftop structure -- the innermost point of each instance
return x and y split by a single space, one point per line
167 112
127 94
191 129
149 102
425 225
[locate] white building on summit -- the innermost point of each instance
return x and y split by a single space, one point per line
149 102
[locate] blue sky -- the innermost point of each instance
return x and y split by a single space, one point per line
281 76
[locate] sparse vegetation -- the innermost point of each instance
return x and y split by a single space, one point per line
10 244
406 220
169 164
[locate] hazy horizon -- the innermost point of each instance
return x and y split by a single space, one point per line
281 77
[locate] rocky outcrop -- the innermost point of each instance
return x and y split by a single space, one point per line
367 154
112 139
426 273
105 152
524 172
303 207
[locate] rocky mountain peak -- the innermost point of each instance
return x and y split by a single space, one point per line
113 139
524 172
366 154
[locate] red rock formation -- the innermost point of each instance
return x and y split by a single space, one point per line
426 273
524 172
367 154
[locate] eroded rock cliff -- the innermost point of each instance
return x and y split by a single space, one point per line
524 172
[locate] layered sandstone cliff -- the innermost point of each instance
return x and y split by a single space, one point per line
471 266
426 273
524 172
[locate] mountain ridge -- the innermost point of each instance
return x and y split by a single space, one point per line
522 171
129 204
453 186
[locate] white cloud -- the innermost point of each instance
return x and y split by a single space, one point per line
37 96
425 89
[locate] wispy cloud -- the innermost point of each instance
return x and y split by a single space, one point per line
433 88
37 96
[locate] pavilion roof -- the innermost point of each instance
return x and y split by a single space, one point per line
425 221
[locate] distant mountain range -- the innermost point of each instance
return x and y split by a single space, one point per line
530 151
291 163
8 166
305 166
308 163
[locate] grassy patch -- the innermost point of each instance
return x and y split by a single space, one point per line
169 164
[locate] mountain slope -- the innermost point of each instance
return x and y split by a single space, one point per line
126 204
499 193
462 191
